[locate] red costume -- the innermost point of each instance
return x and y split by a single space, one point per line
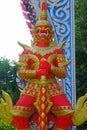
39 64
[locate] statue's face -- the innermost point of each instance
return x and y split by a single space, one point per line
43 33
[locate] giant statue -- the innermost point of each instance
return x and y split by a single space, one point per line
43 100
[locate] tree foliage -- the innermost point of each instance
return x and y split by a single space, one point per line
81 49
8 74
4 126
81 45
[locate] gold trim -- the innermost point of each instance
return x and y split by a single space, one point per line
62 112
38 81
42 51
21 113
36 104
49 104
42 22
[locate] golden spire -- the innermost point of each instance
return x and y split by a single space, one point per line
43 14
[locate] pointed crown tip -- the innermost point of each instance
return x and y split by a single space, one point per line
43 14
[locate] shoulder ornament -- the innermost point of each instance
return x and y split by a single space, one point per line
42 51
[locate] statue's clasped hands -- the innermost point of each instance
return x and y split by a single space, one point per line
44 68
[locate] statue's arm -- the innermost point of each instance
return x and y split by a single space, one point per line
24 70
60 70
26 74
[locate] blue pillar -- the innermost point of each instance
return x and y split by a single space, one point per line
61 15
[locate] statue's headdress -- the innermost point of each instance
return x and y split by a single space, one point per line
43 13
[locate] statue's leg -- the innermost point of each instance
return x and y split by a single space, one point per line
62 109
21 112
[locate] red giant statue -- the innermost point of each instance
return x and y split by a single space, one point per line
43 100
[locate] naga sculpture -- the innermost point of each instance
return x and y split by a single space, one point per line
42 100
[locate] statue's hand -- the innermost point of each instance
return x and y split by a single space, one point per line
44 64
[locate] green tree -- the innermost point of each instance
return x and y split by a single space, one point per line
81 49
4 126
81 45
8 74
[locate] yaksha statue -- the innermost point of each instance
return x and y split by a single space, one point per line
43 100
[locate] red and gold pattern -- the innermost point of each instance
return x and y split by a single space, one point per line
42 99
31 66
33 86
43 106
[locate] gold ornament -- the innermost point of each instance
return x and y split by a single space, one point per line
43 106
42 124
80 113
43 115
6 107
43 98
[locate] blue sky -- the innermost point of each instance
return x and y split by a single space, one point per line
13 28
